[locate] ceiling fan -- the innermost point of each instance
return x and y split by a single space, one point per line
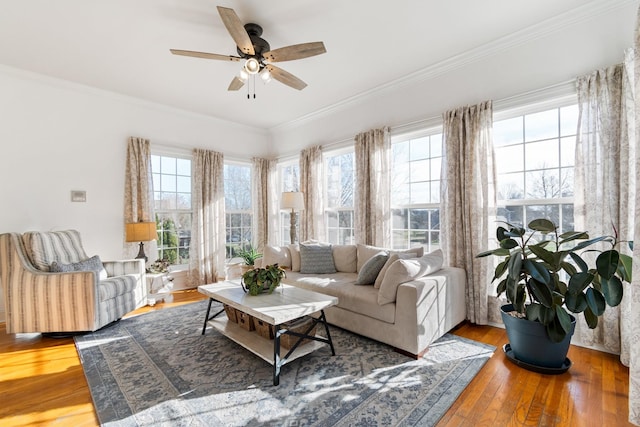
257 53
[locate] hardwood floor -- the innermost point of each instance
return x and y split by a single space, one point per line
42 383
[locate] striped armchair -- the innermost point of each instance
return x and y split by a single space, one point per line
50 285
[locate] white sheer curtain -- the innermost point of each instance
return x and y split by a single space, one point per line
207 249
264 199
633 296
372 195
311 178
467 216
138 192
605 182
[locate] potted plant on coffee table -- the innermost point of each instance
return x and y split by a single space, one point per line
260 280
546 282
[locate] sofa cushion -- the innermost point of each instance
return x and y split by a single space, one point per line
358 299
366 251
370 270
115 286
46 247
345 258
89 264
276 255
393 256
294 253
316 259
406 270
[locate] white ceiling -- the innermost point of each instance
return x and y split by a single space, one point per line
122 46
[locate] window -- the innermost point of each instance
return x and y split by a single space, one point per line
339 197
415 191
289 181
172 203
534 163
237 197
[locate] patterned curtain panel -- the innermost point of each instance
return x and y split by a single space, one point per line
312 218
633 296
605 178
138 192
264 202
373 197
467 218
207 250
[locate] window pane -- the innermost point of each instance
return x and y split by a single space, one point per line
184 200
512 214
541 125
435 165
420 192
567 218
168 165
183 184
509 159
435 191
436 145
400 239
569 120
550 212
543 154
544 184
168 182
183 167
507 131
435 220
420 170
568 151
511 186
399 218
419 148
419 219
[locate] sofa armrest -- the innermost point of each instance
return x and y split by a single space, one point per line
122 267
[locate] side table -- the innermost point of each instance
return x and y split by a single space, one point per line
159 287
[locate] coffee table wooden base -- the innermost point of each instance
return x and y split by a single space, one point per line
270 350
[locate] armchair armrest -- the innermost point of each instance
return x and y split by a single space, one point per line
126 266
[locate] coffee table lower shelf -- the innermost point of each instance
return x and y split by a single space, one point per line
258 345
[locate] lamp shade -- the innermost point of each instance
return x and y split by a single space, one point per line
292 200
141 231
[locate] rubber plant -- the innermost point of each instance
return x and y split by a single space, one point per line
545 277
259 280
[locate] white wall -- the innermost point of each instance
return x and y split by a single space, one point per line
56 137
535 59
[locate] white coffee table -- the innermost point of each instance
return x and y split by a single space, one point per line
286 303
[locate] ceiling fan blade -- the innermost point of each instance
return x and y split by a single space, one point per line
286 77
205 55
296 51
236 83
236 30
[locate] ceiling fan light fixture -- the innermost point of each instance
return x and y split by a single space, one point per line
252 66
243 75
265 75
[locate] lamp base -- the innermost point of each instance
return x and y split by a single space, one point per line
292 229
141 254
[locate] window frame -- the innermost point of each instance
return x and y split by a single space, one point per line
341 209
243 213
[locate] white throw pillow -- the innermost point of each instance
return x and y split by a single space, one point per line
344 257
294 252
406 270
276 255
393 256
365 252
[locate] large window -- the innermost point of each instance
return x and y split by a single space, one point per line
289 181
534 161
237 196
172 203
339 196
415 191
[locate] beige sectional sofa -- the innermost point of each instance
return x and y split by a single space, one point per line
411 302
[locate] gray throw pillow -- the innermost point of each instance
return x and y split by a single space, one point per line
89 264
371 269
316 259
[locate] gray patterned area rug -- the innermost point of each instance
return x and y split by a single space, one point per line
157 369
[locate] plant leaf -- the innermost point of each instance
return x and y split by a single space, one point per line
537 271
563 318
500 234
555 331
569 268
500 269
573 235
543 254
508 243
625 267
587 243
607 263
592 319
515 266
612 290
542 225
579 281
595 301
575 303
534 313
541 293
579 261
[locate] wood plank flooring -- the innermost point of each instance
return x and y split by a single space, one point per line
42 384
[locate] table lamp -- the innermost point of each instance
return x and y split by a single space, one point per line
141 232
293 200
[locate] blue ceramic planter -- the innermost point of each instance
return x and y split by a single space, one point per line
530 344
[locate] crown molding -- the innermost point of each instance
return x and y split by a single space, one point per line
139 102
526 35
